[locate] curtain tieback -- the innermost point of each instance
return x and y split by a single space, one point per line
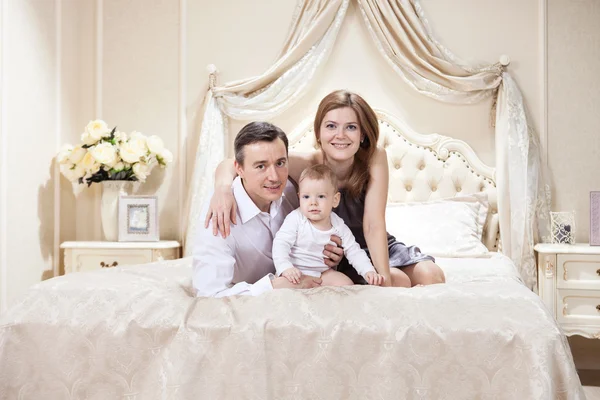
212 79
502 63
494 106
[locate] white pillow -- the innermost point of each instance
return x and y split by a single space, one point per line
449 227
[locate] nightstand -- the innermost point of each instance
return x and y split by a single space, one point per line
88 256
569 285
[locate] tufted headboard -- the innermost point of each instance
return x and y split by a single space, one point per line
424 167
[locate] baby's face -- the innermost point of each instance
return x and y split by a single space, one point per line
317 198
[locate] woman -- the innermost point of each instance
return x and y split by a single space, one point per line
347 132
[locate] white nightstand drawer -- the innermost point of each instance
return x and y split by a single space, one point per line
578 306
569 285
578 271
88 256
87 260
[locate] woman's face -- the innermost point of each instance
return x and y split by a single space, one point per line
340 134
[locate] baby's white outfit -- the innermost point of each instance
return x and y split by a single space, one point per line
299 244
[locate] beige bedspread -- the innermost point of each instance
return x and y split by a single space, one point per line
137 333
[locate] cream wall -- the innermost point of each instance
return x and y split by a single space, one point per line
574 106
29 137
141 65
45 73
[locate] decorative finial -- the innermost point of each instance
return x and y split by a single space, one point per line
211 68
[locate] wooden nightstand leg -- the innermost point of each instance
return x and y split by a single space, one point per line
68 266
547 280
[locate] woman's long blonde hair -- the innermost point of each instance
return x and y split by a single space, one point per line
367 119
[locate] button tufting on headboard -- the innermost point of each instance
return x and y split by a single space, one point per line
421 165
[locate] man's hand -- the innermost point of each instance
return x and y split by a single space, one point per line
309 282
333 254
306 282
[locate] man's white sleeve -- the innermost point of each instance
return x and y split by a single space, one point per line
214 265
284 240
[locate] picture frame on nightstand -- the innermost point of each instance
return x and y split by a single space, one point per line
595 218
138 219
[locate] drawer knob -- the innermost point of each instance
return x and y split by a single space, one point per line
598 272
598 307
107 265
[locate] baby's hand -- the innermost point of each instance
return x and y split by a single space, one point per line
293 275
373 278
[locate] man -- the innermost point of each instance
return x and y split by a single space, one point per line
241 263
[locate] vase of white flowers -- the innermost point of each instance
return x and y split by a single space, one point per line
111 191
114 158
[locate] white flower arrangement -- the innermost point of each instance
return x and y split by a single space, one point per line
111 155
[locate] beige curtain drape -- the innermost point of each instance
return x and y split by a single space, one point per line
404 38
314 29
405 41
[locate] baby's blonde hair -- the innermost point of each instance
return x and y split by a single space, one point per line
320 172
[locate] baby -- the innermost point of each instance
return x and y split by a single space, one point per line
298 245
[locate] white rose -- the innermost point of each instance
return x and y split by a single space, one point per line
165 157
105 154
77 154
120 136
141 171
86 138
89 164
155 144
138 135
133 150
72 172
119 167
78 172
65 169
63 153
97 129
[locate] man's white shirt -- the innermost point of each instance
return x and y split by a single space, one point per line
300 244
242 263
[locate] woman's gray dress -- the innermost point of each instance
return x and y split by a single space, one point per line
351 210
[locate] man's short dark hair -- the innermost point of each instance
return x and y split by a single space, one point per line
257 132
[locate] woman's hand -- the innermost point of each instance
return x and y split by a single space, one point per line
222 211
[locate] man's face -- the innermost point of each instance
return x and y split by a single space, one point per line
264 172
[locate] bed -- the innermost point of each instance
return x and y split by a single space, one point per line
137 332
